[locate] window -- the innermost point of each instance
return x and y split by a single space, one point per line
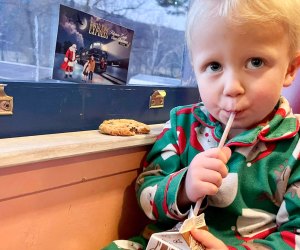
28 31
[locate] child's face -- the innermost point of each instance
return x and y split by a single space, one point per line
240 69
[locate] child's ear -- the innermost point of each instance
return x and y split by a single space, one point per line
292 70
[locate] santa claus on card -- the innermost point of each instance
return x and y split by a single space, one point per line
69 61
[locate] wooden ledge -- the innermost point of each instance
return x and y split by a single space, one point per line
32 149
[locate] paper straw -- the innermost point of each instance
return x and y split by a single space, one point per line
197 206
221 145
226 130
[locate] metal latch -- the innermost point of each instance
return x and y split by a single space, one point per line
6 102
157 99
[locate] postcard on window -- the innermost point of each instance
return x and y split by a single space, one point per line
90 49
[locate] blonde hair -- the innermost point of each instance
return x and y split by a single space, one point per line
239 12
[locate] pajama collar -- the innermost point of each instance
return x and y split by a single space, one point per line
283 125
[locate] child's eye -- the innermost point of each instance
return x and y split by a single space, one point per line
255 63
214 67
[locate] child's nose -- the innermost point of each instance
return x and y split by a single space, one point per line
233 85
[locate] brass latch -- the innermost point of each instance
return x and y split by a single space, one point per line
6 102
157 99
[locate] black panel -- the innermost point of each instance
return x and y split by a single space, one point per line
44 108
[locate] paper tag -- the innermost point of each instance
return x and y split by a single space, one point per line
167 240
178 240
192 222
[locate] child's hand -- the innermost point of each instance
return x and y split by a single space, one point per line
205 173
209 241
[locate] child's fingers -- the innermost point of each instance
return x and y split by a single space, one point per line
215 165
208 240
212 177
227 152
222 154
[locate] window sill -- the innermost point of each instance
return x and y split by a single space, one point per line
33 149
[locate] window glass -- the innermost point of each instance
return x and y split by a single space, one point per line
28 31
